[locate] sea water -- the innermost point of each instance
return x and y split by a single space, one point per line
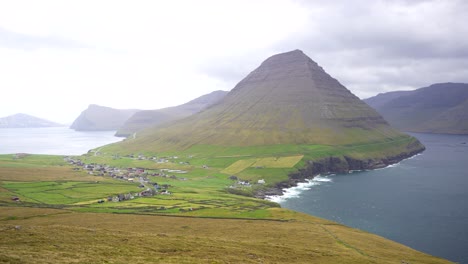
52 140
421 202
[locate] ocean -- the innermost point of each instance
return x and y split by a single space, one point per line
52 140
421 202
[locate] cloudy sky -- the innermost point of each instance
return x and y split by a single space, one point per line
57 57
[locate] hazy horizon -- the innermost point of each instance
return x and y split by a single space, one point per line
57 57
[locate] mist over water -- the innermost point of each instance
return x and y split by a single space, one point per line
421 202
52 140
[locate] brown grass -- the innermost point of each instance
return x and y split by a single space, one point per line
48 237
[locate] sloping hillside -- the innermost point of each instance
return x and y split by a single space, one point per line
439 108
289 99
62 236
148 118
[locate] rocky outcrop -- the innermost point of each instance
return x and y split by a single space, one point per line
330 165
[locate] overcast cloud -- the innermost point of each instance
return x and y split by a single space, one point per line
57 57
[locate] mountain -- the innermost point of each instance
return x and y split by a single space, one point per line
25 121
288 99
96 118
383 98
149 118
439 108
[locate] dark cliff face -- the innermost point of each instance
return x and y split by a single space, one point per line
336 164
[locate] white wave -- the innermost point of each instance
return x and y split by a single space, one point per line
321 179
295 191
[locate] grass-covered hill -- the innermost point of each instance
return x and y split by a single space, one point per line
439 108
50 212
97 117
25 121
149 118
288 99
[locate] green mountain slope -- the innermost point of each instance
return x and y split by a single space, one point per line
97 117
439 108
289 99
148 118
23 120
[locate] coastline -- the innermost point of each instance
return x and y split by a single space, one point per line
332 165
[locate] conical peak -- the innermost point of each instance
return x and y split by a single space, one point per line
286 67
288 59
288 99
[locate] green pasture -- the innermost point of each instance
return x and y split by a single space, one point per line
66 193
44 180
13 160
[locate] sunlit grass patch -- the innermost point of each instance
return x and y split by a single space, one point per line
239 166
267 162
278 162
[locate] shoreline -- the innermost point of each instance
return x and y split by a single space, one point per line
331 165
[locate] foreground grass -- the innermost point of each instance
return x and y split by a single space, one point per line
32 235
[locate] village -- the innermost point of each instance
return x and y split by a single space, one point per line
133 174
140 175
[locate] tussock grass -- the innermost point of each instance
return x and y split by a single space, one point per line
60 236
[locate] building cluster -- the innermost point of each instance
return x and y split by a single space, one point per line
137 175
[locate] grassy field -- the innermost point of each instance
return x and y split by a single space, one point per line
35 235
200 192
204 190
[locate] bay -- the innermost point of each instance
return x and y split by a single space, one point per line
53 140
421 202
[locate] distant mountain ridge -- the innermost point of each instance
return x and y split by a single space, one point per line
438 108
96 118
288 99
148 118
25 121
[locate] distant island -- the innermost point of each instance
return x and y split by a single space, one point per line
440 108
25 121
101 118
